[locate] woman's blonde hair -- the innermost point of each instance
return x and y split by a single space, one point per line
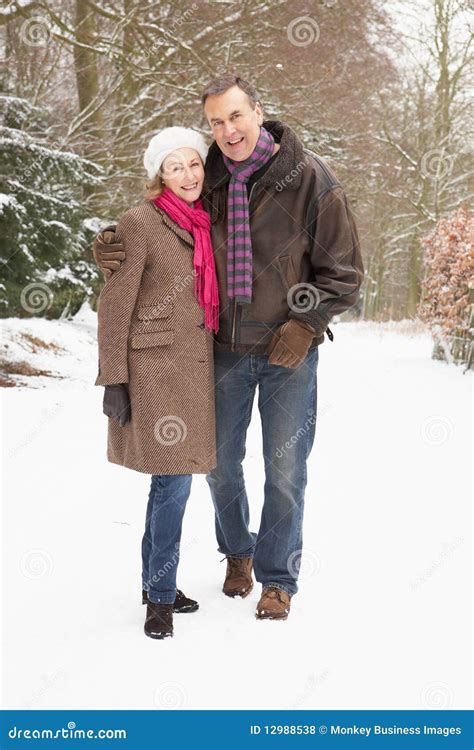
154 187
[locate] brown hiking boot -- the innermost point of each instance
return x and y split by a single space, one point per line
274 604
238 579
159 620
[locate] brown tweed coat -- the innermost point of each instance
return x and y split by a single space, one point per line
151 335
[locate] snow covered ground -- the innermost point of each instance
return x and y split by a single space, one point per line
382 619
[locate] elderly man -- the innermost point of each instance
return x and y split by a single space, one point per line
288 260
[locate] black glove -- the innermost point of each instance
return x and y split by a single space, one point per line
117 403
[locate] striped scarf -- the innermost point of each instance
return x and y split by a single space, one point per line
239 243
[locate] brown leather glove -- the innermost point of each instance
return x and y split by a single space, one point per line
107 254
290 344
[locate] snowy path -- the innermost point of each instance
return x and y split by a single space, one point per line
382 619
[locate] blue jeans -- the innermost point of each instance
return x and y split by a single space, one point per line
160 544
287 405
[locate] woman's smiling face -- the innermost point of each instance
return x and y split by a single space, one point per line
183 173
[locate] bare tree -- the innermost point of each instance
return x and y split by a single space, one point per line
427 128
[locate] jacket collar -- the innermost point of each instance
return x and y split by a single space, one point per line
182 233
291 154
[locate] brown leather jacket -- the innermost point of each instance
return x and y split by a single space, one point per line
307 262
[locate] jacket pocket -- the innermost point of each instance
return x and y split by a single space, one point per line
285 265
152 312
149 339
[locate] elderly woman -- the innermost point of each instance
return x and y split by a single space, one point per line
156 319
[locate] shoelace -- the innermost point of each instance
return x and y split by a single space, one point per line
278 594
235 564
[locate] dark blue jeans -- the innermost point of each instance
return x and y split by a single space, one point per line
160 544
287 405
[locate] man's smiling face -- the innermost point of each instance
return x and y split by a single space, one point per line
235 124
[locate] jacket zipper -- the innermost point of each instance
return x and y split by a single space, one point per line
328 331
234 310
251 191
232 348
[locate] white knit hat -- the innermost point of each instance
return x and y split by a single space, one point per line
168 140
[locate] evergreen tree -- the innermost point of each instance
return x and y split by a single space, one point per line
45 231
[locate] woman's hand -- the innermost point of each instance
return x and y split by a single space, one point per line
117 403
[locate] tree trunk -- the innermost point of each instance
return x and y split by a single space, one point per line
87 80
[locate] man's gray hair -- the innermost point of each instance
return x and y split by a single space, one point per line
223 83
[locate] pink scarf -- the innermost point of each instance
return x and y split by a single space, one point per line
197 222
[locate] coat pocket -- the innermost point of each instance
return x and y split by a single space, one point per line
285 266
286 262
152 312
157 338
150 325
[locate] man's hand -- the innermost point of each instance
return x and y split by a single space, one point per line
107 254
117 403
290 344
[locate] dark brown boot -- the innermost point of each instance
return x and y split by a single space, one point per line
159 620
274 604
238 579
182 603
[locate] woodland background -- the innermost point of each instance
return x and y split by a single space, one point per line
379 89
